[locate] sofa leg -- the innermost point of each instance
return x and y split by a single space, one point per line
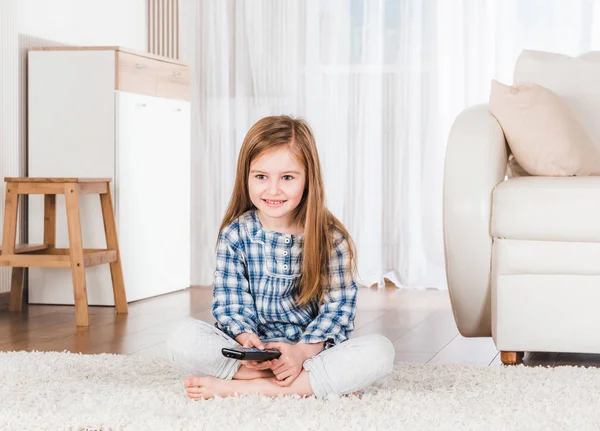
511 358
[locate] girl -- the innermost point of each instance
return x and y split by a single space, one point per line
284 279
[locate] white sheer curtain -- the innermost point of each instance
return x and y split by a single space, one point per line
380 82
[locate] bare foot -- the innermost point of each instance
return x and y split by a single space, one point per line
209 387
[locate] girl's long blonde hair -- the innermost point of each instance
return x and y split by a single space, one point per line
278 131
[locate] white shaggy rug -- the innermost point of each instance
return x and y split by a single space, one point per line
110 392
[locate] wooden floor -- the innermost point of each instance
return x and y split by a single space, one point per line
419 322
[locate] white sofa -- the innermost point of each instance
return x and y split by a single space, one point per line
523 252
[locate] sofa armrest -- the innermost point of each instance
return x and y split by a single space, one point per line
476 161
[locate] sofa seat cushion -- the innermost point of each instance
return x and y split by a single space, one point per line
547 209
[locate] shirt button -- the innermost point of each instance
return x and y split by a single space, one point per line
285 253
285 267
287 240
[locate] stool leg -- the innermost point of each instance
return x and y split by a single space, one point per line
9 239
76 248
9 233
16 289
112 243
50 221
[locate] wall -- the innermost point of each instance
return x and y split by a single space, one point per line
85 22
29 23
190 44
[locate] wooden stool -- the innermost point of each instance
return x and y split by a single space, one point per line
47 255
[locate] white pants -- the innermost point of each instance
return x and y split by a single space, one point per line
195 346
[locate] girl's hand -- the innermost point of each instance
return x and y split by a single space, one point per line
289 365
249 339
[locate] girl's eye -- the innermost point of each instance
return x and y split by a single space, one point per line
261 177
288 177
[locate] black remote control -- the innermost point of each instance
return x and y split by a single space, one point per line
251 353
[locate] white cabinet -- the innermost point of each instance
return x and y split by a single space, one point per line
153 193
90 115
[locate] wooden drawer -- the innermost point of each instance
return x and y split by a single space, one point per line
173 81
136 74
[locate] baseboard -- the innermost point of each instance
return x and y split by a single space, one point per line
4 300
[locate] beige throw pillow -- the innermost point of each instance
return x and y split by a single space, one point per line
542 132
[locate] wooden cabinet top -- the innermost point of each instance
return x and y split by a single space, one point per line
110 48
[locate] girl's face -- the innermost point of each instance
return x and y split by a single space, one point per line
276 184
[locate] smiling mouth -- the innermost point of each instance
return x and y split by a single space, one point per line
273 202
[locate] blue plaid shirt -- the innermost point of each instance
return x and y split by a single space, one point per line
254 287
